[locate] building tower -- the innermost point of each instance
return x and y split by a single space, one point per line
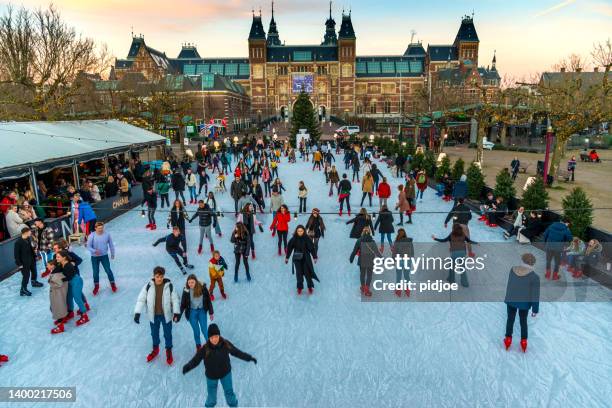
494 62
330 37
273 38
346 57
257 62
466 42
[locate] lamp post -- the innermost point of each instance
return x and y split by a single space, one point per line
586 143
236 140
549 137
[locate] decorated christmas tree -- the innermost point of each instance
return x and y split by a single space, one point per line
504 185
578 209
475 181
304 117
535 196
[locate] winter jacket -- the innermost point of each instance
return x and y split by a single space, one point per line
5 204
191 180
385 221
146 301
204 214
86 213
302 192
281 221
186 302
460 214
163 187
217 267
523 289
403 246
250 221
110 189
178 182
421 181
315 227
173 244
102 243
241 245
216 359
124 185
556 235
58 289
265 174
376 174
176 218
402 203
333 176
316 157
457 244
24 253
345 187
460 190
303 245
359 223
257 194
14 223
276 200
367 184
150 199
238 189
366 250
384 190
43 238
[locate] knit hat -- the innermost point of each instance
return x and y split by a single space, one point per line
213 330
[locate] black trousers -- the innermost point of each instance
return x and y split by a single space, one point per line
348 203
300 274
28 272
282 239
164 199
365 276
205 185
245 260
179 193
355 173
522 320
553 255
151 215
365 193
175 256
268 188
302 204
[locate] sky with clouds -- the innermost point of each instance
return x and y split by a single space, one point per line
528 35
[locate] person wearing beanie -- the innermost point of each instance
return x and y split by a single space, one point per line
215 354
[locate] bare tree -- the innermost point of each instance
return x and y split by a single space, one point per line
572 63
40 58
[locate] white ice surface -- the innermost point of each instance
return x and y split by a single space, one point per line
329 349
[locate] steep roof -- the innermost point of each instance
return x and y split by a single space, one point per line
467 31
346 28
442 53
457 76
415 49
257 31
188 52
588 79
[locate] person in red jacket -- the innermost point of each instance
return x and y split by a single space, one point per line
421 183
3 359
280 225
5 204
384 192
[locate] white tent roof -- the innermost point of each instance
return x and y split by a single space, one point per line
45 144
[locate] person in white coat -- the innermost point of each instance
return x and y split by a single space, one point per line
14 223
190 180
159 299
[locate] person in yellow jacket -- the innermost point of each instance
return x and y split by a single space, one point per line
317 159
274 168
124 186
367 186
216 270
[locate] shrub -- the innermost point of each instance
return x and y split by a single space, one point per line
536 196
444 168
504 185
475 181
458 169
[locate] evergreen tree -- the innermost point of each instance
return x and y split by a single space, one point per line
535 196
429 163
443 168
417 161
458 169
578 209
475 181
304 118
504 185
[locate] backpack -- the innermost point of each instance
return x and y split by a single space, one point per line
149 287
421 179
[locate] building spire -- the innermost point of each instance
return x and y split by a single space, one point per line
273 10
330 11
494 62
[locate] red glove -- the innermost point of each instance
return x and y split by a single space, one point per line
273 231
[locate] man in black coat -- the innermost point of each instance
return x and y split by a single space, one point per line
178 185
175 248
217 367
302 248
237 190
25 259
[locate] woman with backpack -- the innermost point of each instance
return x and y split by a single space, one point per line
304 253
421 183
196 303
240 239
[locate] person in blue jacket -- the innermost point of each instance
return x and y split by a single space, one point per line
460 189
522 294
556 237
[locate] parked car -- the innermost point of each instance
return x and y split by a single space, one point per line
348 130
487 145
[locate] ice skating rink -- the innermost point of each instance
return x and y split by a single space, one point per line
325 350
